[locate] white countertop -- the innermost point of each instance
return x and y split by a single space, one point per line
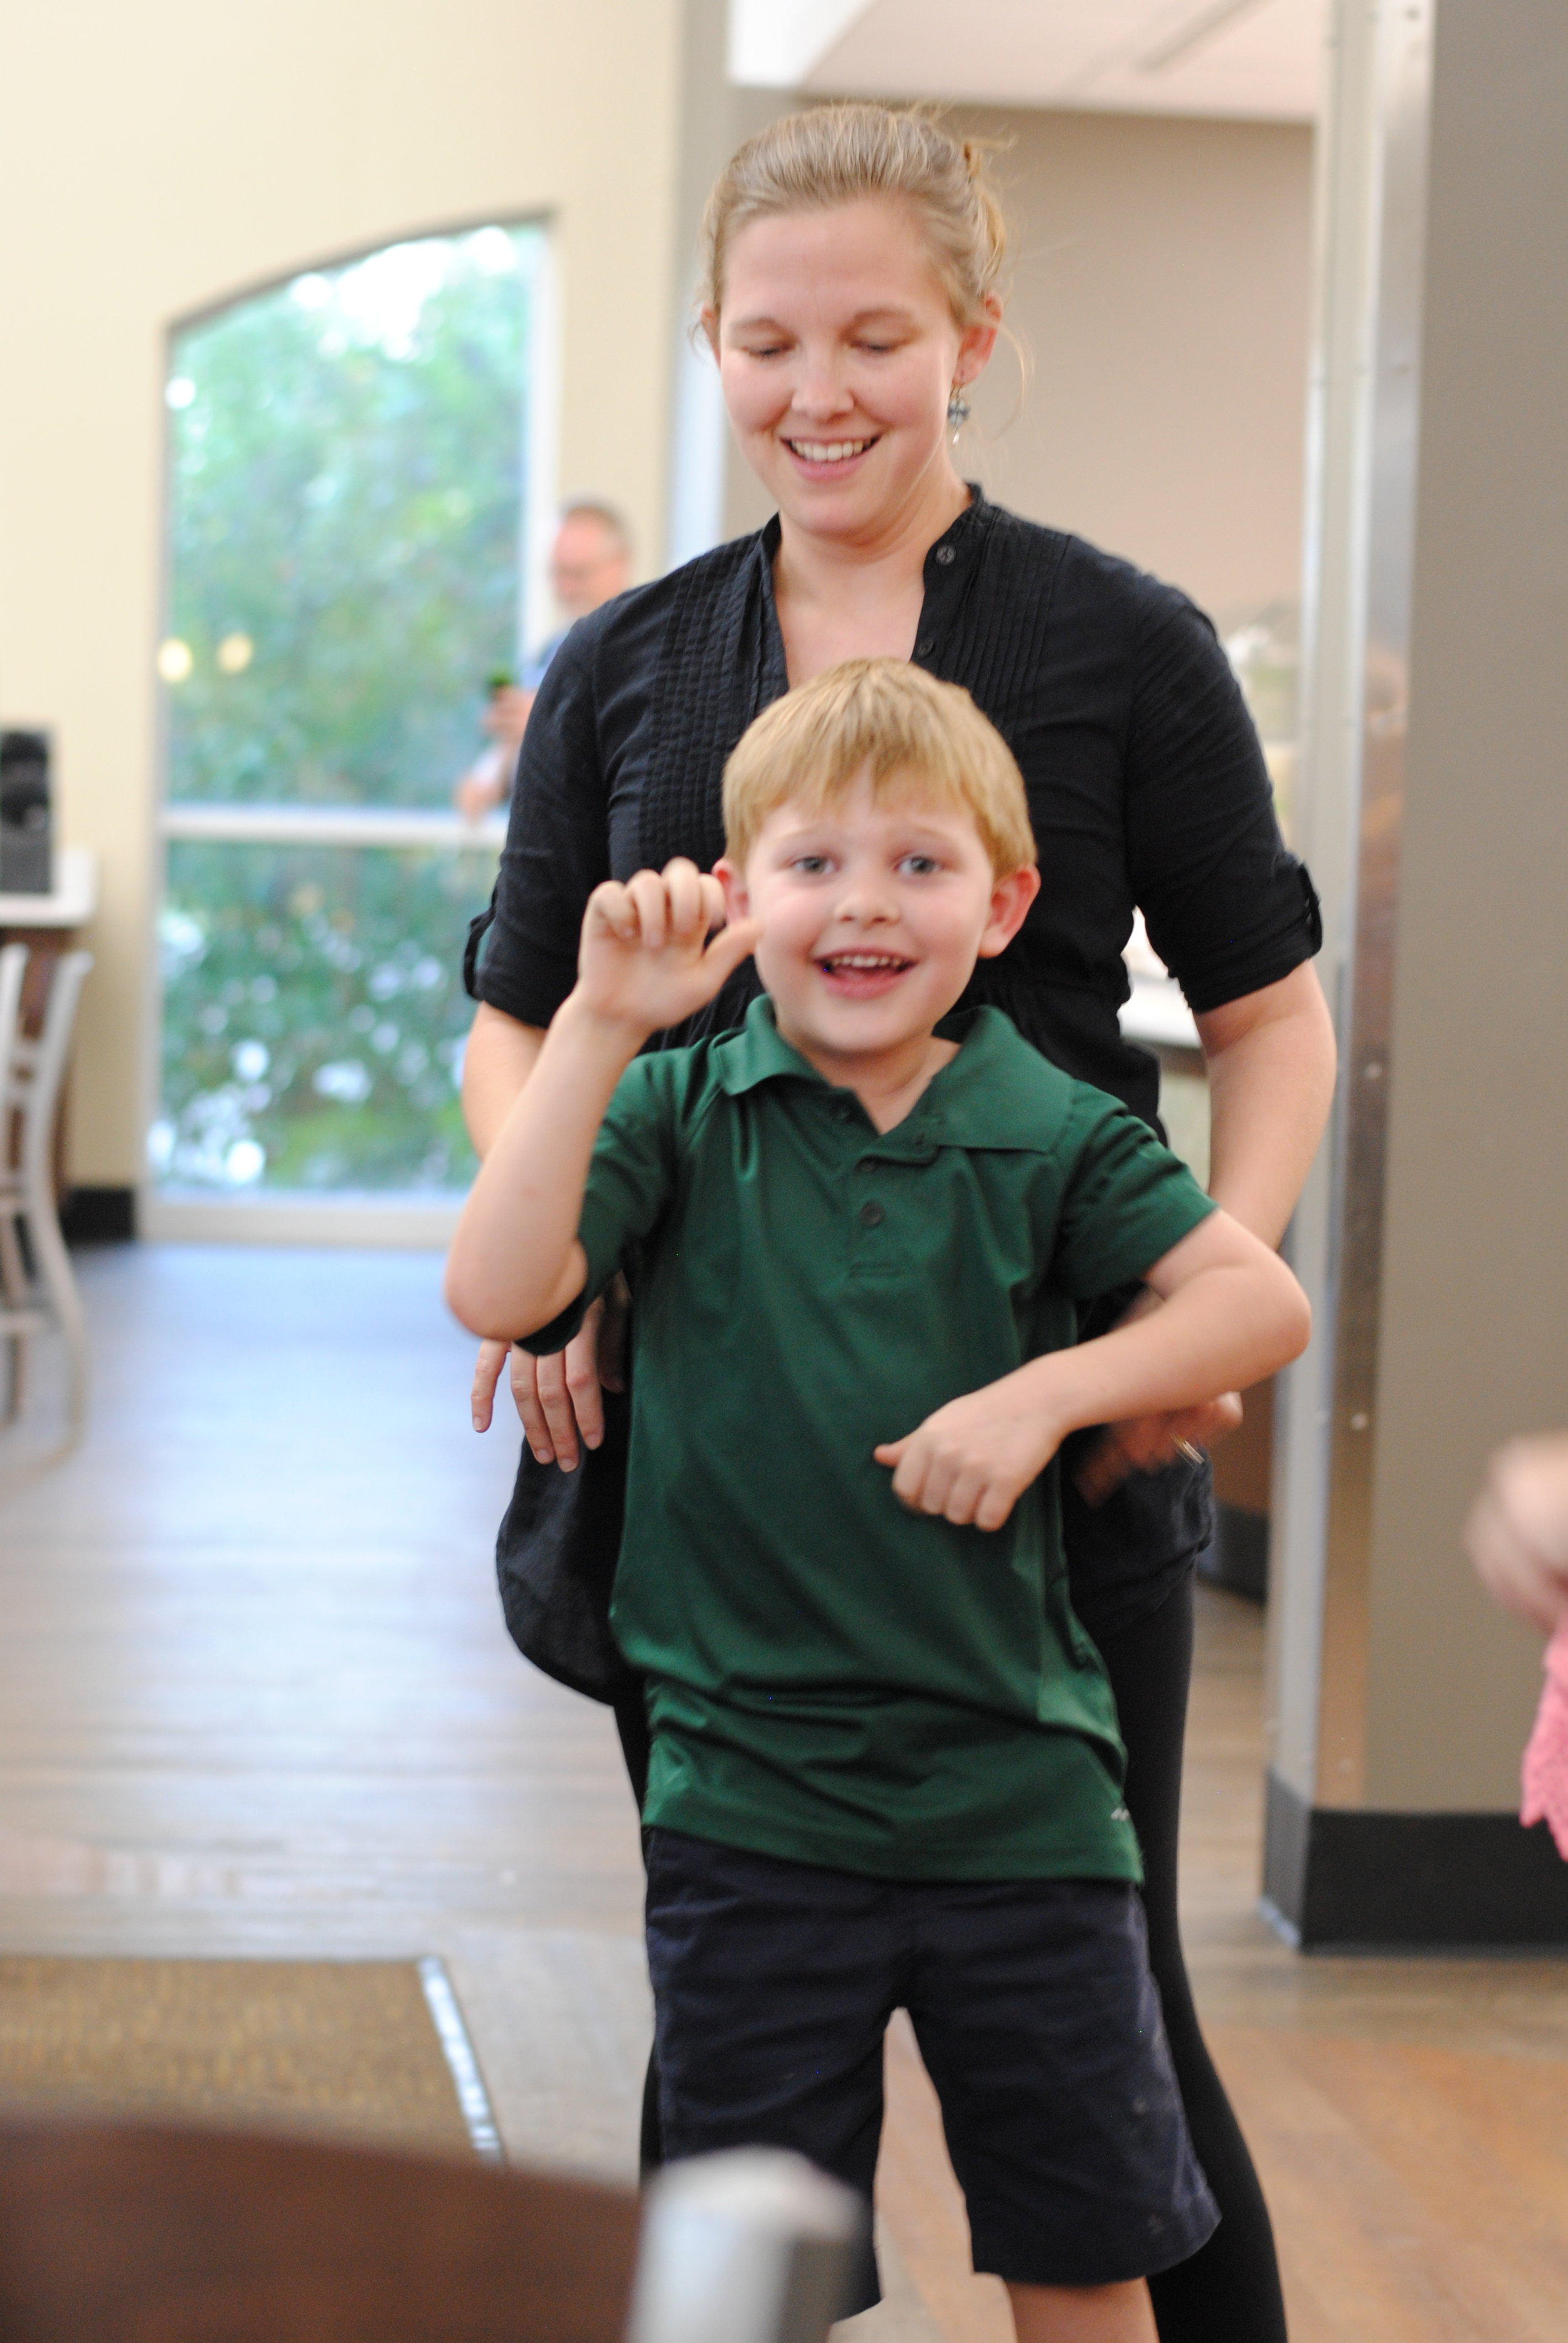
72 902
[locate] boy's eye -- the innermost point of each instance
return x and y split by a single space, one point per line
811 866
919 865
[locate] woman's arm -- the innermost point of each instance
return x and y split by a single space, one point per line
1270 1059
500 1055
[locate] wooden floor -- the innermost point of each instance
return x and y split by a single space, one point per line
256 1698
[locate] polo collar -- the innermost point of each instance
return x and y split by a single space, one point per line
997 1093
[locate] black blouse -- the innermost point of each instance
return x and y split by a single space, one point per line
1145 786
1146 783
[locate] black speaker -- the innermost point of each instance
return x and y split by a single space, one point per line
25 859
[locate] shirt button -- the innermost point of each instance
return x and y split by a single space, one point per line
946 555
925 647
871 1214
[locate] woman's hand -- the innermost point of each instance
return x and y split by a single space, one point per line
972 1459
646 961
1148 1444
558 1397
1518 1532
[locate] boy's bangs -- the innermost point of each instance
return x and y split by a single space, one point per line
892 724
937 780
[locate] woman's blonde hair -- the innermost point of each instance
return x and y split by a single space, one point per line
894 724
840 154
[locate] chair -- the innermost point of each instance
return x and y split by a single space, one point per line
154 2234
36 1287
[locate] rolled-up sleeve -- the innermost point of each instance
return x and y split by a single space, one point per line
557 850
1229 908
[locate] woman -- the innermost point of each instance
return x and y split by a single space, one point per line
852 262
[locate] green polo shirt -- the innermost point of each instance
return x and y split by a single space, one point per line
831 1678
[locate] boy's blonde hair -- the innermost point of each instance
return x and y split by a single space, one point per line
842 153
894 723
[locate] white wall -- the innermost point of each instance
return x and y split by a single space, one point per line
164 156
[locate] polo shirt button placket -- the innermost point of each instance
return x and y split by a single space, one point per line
872 1214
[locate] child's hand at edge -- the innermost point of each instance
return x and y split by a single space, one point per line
971 1460
645 960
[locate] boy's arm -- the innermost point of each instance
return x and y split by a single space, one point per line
645 963
1232 1314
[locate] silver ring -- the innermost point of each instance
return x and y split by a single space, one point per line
1193 1455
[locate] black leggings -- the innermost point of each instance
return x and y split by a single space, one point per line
1230 2291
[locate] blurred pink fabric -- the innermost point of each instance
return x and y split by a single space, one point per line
1546 1769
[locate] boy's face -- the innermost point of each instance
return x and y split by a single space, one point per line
873 915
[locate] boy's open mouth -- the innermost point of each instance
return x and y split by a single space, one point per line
860 974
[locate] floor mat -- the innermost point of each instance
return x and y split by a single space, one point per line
364 2050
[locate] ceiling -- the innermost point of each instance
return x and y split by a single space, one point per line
1255 60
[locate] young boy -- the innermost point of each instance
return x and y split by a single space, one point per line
885 1767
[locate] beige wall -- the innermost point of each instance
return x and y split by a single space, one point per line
162 156
1161 284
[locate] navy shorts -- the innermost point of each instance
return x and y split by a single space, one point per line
1036 2015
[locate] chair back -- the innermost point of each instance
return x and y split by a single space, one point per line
38 1067
13 972
142 2234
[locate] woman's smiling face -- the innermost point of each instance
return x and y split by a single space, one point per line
837 349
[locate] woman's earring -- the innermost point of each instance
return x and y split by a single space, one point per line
958 409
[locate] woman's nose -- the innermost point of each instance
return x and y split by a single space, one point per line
821 391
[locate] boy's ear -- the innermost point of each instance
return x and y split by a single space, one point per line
737 902
1010 902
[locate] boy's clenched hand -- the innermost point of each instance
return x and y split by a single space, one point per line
972 1460
645 960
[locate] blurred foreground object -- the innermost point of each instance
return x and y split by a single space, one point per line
1518 1539
1518 1530
124 2234
1545 1770
751 2246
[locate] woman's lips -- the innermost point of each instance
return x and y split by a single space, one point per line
833 459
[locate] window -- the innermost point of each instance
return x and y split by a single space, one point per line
353 460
